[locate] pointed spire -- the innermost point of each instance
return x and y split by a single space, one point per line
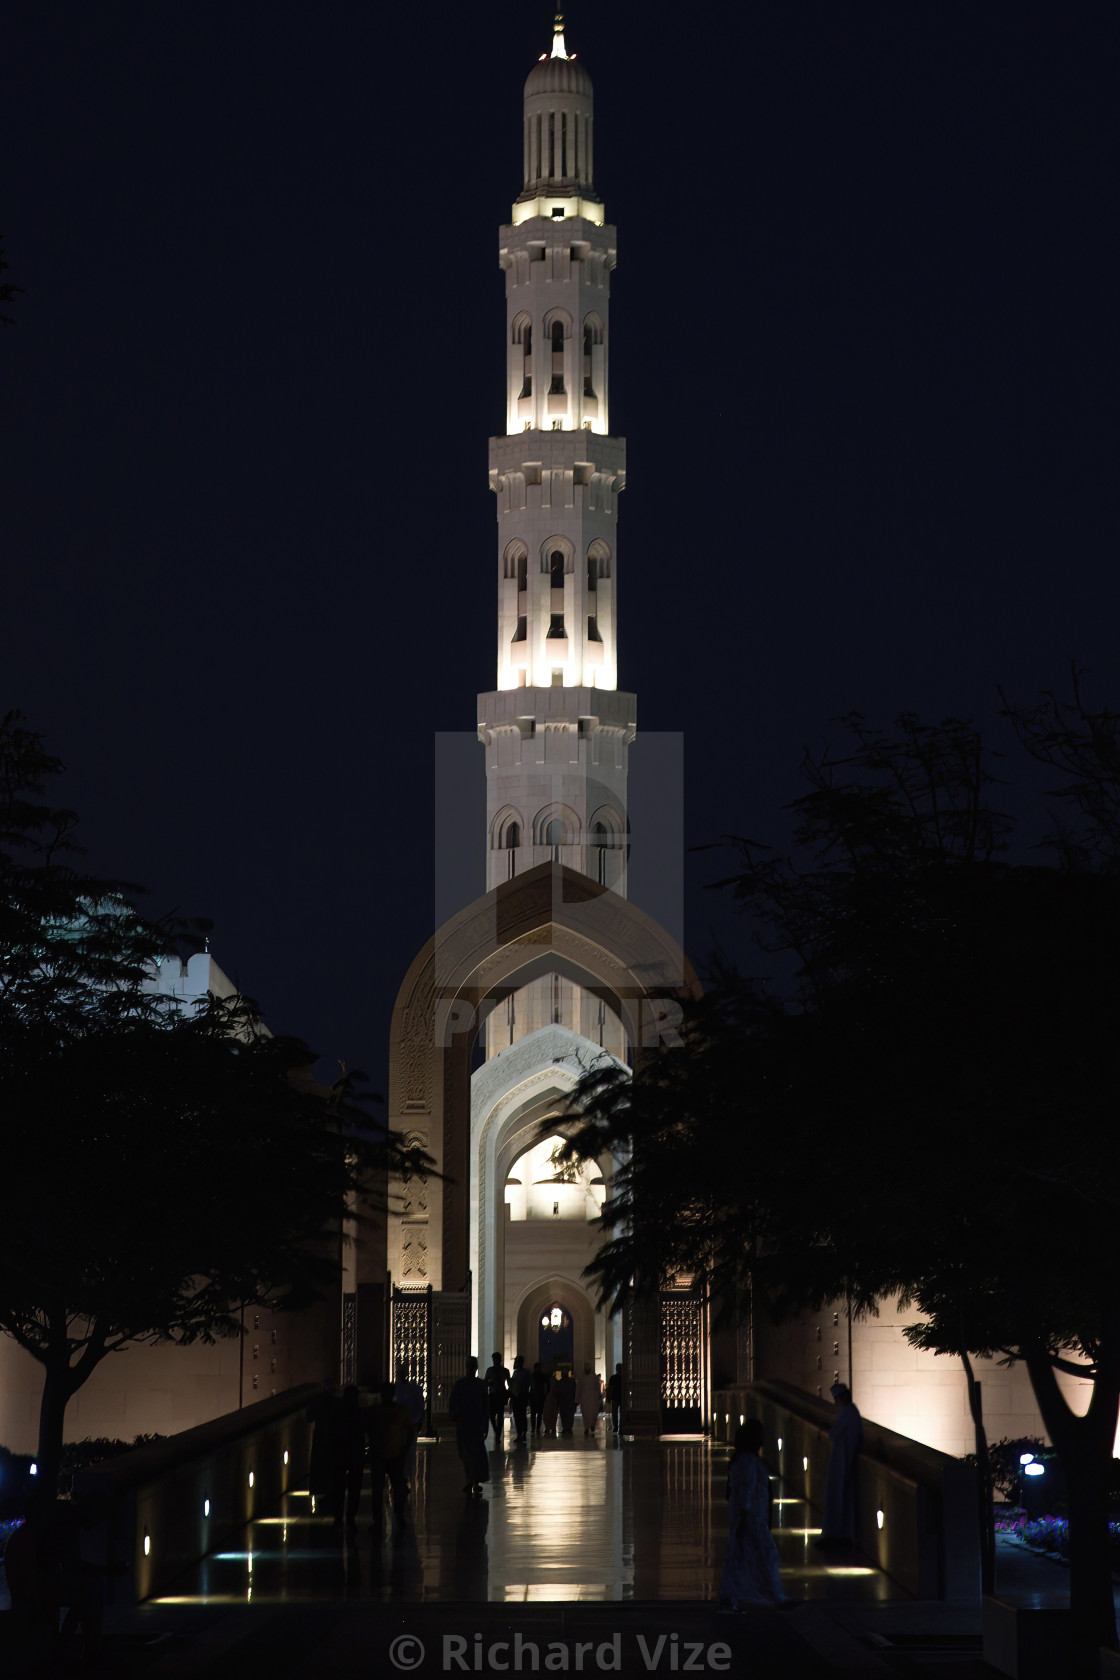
559 50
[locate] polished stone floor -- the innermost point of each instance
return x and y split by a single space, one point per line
563 1520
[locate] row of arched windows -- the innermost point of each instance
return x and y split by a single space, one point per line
557 559
556 825
558 327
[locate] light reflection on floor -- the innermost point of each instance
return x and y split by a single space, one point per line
563 1520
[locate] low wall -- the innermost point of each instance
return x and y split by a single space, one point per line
173 1501
928 1540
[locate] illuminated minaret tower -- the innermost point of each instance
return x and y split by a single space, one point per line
557 730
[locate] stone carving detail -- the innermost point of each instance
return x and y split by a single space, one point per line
416 1042
414 1249
414 1188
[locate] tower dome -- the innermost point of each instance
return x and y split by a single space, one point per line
559 126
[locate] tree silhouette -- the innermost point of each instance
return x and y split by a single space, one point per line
930 1110
163 1168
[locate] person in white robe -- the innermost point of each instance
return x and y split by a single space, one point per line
590 1396
750 1571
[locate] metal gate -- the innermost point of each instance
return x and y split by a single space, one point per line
683 1363
429 1334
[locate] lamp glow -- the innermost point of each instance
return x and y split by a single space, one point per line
34 1470
206 1507
147 1543
285 1458
1034 1470
879 1519
250 1478
779 1443
1026 1458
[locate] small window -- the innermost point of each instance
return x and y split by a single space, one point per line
557 338
519 633
558 425
556 389
558 212
556 630
512 837
553 832
556 568
526 386
522 571
592 574
593 630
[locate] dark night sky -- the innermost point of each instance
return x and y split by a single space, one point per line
864 351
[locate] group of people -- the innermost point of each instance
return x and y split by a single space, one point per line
348 1435
750 1573
538 1401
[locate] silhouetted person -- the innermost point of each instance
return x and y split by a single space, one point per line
470 1413
538 1389
349 1435
750 1572
838 1521
614 1398
46 1572
497 1388
411 1396
551 1412
520 1384
320 1467
391 1433
590 1395
566 1400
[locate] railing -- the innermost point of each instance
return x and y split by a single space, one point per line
917 1507
172 1502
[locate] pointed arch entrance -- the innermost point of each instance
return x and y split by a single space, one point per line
550 920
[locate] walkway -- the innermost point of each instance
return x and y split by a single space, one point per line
574 1543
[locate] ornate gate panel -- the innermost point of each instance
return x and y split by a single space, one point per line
683 1363
451 1344
410 1338
430 1337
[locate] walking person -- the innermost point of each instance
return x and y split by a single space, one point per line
590 1400
614 1398
320 1468
538 1390
550 1412
411 1396
520 1384
349 1456
750 1571
839 1519
391 1433
497 1391
470 1413
566 1400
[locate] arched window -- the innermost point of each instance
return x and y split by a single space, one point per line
511 837
556 334
515 563
556 568
523 336
599 556
592 574
554 832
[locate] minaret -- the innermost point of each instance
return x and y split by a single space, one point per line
556 729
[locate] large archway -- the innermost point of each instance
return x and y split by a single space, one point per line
550 920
